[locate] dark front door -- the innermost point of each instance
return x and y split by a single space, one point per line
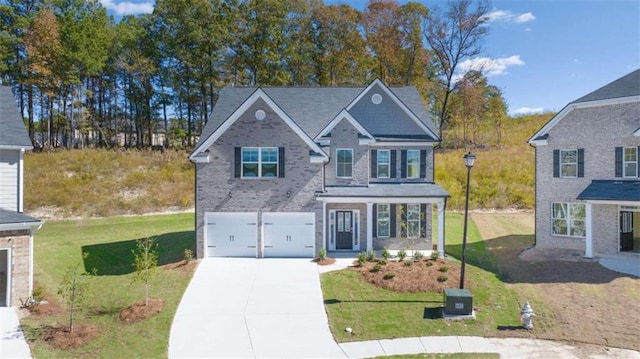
626 231
344 230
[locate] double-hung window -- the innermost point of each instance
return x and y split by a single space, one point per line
413 164
568 219
383 163
344 163
383 220
259 162
569 163
630 162
413 220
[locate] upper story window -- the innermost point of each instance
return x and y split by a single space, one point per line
630 162
383 163
568 163
344 163
568 219
413 164
259 162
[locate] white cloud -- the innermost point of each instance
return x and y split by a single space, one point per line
508 16
128 7
526 111
489 66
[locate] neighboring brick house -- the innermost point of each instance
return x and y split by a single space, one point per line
588 172
16 228
287 171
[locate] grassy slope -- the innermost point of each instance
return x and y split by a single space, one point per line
60 245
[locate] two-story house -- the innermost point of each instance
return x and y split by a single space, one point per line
588 172
16 228
287 171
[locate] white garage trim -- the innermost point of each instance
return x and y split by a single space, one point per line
289 234
231 234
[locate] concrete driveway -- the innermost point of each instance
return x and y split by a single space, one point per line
242 307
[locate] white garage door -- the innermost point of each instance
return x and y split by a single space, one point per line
289 234
231 234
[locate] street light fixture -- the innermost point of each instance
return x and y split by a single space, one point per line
469 160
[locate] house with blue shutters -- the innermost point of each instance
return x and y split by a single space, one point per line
588 173
288 171
16 228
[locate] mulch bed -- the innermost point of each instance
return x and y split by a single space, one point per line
139 311
325 262
62 338
420 276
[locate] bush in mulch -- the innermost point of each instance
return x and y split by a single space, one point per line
325 261
418 277
139 311
62 338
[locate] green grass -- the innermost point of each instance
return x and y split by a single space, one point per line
375 313
108 242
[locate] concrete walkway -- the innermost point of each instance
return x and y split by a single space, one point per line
622 263
12 343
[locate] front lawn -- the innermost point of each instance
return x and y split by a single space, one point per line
376 313
104 246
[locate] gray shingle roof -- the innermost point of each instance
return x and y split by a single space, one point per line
312 108
408 190
627 85
12 131
10 217
611 190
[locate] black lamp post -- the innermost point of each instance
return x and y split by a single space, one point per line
469 160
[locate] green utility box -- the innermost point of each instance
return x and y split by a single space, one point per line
458 302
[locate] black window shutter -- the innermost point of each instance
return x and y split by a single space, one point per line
556 163
403 219
374 234
374 164
392 220
580 162
423 163
423 220
403 163
618 161
238 162
392 172
281 162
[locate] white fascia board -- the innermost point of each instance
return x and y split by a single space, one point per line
199 158
20 226
581 105
621 203
402 143
537 143
395 99
318 159
255 96
343 115
366 141
637 133
16 148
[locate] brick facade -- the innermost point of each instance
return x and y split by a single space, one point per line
18 242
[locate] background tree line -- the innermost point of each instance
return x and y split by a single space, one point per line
82 78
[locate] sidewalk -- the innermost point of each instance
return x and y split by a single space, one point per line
12 341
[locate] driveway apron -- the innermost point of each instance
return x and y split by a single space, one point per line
244 307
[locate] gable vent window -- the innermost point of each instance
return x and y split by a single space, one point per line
376 98
260 115
259 162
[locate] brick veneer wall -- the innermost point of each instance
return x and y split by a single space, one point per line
18 242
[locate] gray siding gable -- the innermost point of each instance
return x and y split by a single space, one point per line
12 131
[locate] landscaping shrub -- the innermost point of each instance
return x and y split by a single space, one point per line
322 255
362 258
385 253
187 255
408 263
443 269
382 262
435 255
389 275
402 254
442 278
429 263
371 255
376 268
417 256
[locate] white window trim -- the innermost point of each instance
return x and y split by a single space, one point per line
418 165
338 163
625 162
414 205
560 163
277 163
388 220
388 164
569 219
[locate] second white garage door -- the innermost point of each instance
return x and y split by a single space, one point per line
232 234
289 234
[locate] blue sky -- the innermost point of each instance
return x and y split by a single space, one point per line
542 54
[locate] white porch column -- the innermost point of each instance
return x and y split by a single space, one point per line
370 221
324 225
588 251
441 229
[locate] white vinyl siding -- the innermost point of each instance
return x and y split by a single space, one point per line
9 184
